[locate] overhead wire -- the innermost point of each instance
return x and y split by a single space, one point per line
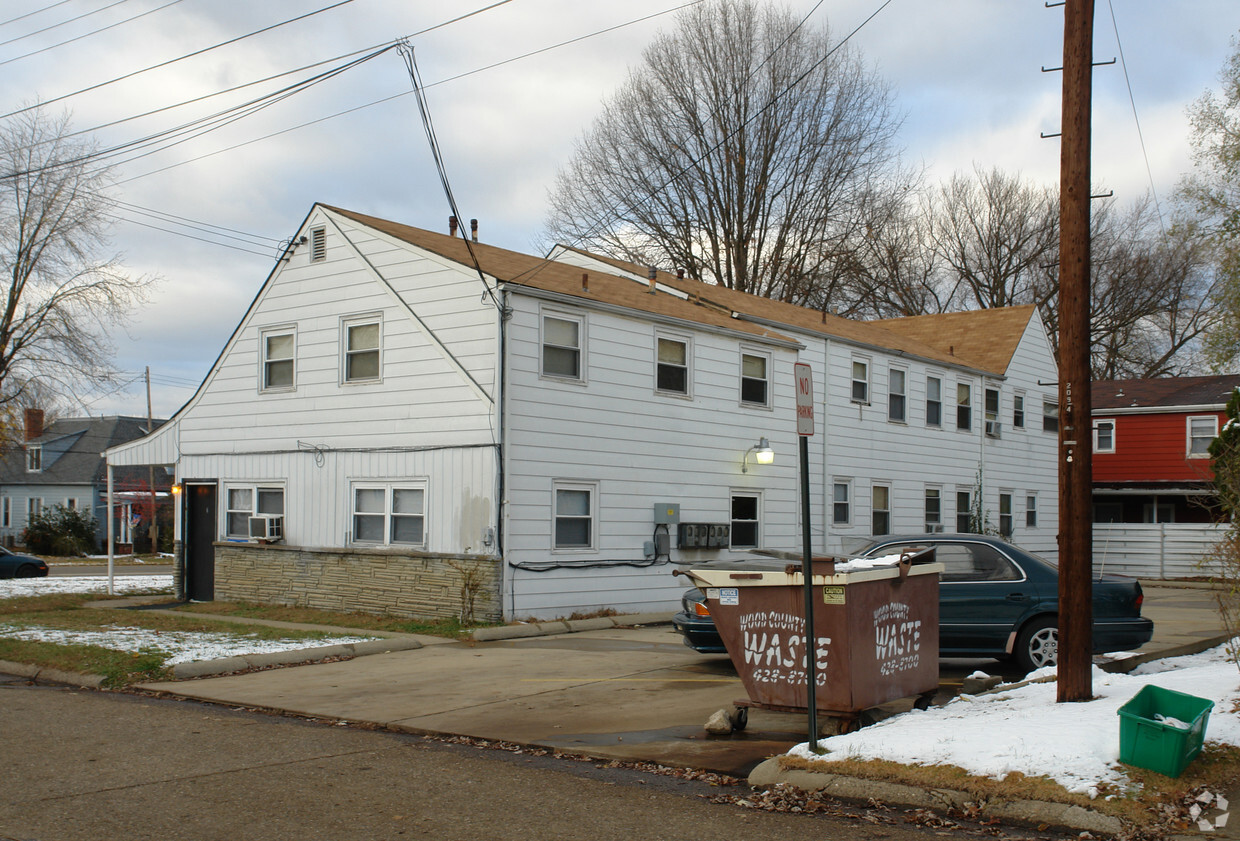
172 61
50 27
1136 119
35 12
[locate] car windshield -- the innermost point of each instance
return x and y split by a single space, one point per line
889 544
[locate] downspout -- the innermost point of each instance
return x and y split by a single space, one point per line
501 505
827 486
111 530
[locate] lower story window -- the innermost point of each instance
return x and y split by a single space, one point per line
574 516
880 510
934 510
746 509
390 514
245 501
964 511
1005 515
1031 511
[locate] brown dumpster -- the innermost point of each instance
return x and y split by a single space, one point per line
876 629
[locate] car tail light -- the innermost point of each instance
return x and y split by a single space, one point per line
701 609
1140 601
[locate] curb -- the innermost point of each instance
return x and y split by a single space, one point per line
771 772
36 674
566 626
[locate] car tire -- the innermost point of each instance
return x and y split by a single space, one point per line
1037 645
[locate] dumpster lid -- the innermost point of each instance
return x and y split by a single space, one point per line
776 572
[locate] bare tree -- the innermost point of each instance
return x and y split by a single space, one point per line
745 150
60 296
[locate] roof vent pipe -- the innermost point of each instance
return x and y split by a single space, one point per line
680 274
451 226
651 273
473 229
585 281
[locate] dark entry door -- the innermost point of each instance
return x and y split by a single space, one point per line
199 536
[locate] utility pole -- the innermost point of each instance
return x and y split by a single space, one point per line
150 469
1075 400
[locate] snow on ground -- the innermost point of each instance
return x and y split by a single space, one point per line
182 646
1024 729
13 587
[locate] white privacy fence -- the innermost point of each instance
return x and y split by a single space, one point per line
1155 550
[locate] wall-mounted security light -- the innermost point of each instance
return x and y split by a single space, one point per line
762 454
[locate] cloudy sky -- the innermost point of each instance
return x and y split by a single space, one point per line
966 73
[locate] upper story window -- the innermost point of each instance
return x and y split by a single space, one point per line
34 458
746 514
387 514
277 347
897 400
318 244
755 379
245 501
1201 431
1104 436
991 408
860 381
362 349
1018 411
672 366
841 513
562 346
1050 416
575 515
964 406
934 401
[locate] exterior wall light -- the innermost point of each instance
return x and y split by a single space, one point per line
762 454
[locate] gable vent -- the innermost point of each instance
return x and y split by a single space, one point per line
318 244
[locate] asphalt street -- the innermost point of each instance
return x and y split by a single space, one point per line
81 764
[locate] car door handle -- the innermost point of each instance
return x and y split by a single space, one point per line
1017 597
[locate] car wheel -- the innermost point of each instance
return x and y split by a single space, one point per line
26 571
1038 644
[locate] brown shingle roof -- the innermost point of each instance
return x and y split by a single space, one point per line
516 269
1164 391
987 338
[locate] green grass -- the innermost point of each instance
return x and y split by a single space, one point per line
450 628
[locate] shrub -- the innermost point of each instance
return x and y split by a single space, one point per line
60 531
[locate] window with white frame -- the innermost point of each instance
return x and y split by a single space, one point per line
1031 511
755 379
34 458
1018 411
1104 436
6 512
277 347
672 365
991 408
746 513
362 338
34 507
964 511
1005 515
1202 430
897 399
243 501
934 510
562 346
1050 416
71 503
880 509
318 244
841 503
964 406
389 513
860 381
575 515
934 401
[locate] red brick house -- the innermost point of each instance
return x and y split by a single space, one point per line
1151 438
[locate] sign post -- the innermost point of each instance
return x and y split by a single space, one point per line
805 428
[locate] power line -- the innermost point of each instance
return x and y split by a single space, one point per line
175 60
120 218
196 223
63 23
35 12
1141 137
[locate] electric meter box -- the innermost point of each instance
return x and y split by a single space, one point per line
704 535
666 513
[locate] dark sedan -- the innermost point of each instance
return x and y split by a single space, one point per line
995 600
13 565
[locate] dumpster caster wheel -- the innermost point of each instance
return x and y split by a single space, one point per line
740 719
923 702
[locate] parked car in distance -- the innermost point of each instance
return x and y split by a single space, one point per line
995 600
13 565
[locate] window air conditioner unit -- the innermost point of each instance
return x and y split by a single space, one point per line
267 527
934 528
993 428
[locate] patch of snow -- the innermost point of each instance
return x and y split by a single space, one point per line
1024 728
14 587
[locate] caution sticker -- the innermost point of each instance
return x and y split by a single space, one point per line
833 594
